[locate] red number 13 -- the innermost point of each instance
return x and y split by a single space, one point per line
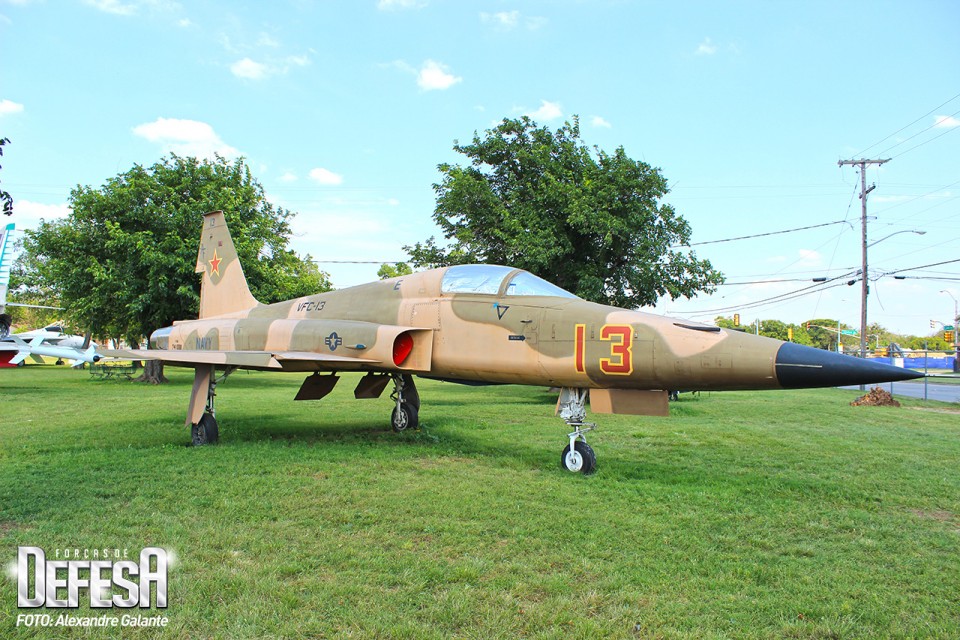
620 336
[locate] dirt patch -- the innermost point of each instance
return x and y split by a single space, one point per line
929 410
939 515
876 397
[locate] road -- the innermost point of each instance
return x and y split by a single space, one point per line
913 389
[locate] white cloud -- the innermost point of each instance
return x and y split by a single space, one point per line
266 40
390 5
945 122
184 23
325 176
599 121
249 69
297 61
810 257
27 214
706 48
288 177
547 111
253 70
9 107
510 20
501 19
434 75
185 138
112 6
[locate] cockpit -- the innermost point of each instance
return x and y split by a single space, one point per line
497 280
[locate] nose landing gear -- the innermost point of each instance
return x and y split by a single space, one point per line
577 456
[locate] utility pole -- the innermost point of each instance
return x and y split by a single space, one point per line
864 286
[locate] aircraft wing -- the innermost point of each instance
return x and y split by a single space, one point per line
278 360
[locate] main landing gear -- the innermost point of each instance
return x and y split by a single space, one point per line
577 456
406 413
204 429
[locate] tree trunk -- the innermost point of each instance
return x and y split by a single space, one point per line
153 372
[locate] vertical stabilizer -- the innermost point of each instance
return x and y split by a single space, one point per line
224 288
6 260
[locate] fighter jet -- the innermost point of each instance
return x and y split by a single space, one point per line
476 324
49 341
69 348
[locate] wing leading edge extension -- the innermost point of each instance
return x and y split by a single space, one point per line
258 360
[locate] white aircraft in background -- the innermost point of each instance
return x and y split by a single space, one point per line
50 341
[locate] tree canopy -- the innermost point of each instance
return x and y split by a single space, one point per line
589 221
387 270
6 200
122 263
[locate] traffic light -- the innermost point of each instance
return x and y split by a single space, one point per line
948 336
736 319
790 334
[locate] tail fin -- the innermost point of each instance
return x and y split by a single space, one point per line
224 287
6 259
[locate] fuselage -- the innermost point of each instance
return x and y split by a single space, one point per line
496 332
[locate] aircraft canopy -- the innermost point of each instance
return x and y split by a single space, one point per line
494 279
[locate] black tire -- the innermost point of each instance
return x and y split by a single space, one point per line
205 432
583 458
404 417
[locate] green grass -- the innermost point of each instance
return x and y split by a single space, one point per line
743 515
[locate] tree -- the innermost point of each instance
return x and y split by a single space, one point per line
727 323
122 263
591 222
6 200
387 271
769 328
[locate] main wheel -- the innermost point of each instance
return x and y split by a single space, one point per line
405 416
581 459
205 432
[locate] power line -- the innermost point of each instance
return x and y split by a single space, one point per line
734 284
951 129
357 261
783 297
915 198
761 235
923 266
916 134
931 112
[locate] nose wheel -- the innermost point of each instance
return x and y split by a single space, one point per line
580 458
577 456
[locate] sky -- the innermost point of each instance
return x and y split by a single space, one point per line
344 109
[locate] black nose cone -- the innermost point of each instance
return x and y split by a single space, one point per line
800 367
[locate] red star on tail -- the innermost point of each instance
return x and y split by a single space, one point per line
215 263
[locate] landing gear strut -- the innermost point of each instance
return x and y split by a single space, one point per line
577 456
204 429
406 413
